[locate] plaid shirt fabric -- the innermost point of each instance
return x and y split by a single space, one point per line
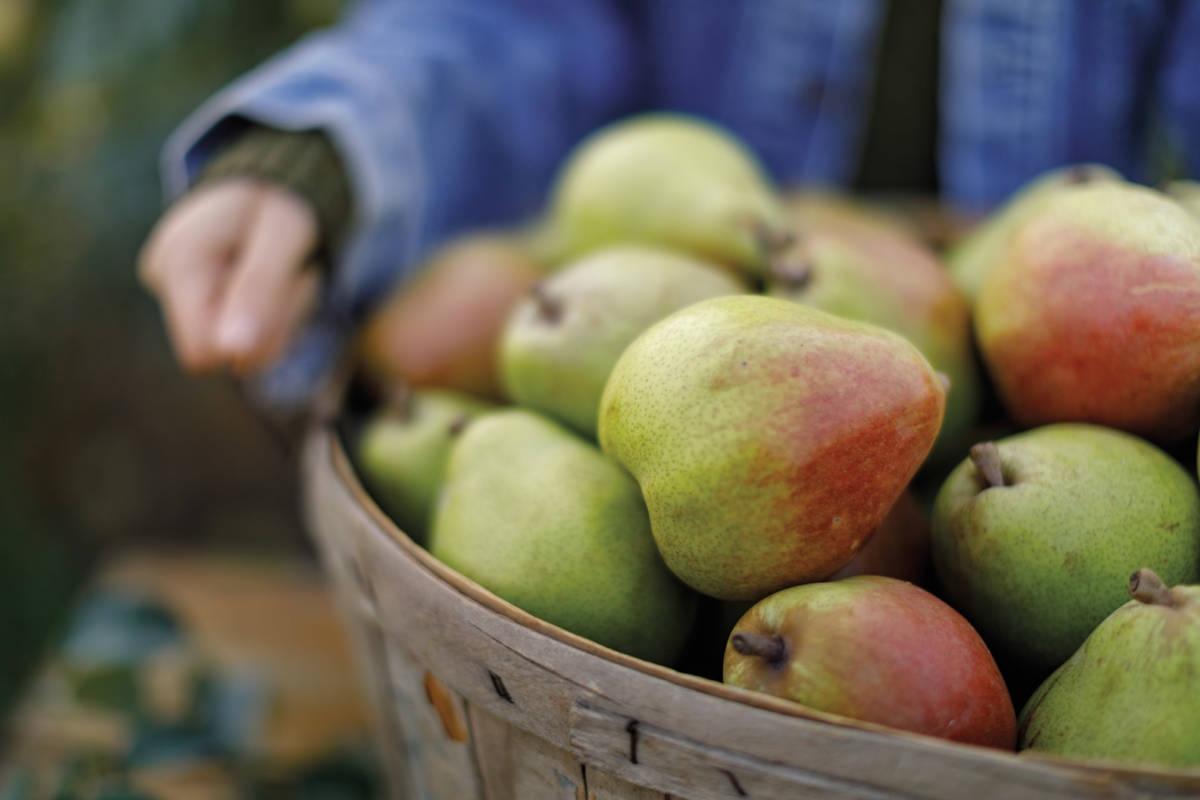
454 114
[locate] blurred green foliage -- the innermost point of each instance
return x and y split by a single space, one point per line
102 441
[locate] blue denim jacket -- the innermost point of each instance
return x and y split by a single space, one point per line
455 113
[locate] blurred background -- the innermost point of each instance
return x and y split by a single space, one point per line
105 447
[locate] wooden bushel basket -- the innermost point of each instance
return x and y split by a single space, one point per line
478 700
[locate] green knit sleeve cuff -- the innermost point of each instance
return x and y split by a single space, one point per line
304 162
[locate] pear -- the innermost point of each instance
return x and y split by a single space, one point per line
973 256
403 448
669 180
878 650
928 220
1091 315
1034 535
563 340
860 265
547 522
769 439
1187 194
1129 693
898 548
831 209
442 329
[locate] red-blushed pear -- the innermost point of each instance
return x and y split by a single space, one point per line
861 264
874 649
974 255
899 547
1093 313
769 439
443 329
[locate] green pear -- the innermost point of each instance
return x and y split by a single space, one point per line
563 340
547 522
769 438
973 257
403 448
1130 692
1034 535
862 265
669 180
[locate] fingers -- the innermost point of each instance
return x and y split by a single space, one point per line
211 220
294 308
184 264
269 292
189 302
226 264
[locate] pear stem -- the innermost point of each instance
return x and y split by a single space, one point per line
1146 587
771 240
774 247
769 648
794 275
986 458
400 402
458 424
549 309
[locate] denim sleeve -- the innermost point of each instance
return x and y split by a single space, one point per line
447 115
1179 86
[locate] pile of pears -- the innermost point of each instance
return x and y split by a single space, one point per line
784 439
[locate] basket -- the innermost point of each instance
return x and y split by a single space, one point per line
478 700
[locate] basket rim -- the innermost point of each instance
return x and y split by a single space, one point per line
331 441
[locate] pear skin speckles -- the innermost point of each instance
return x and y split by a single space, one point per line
1038 563
540 517
768 438
1129 693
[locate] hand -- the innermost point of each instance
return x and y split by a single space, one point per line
228 264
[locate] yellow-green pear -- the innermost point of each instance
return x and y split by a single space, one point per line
670 180
546 521
562 341
1131 693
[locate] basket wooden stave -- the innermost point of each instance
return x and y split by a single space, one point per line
478 699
